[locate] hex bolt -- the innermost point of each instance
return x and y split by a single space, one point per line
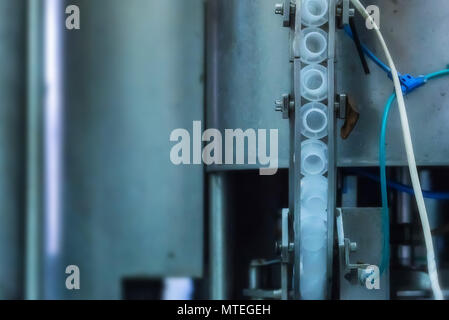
353 246
279 8
278 105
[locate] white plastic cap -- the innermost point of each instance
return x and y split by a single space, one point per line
313 47
313 274
313 232
314 82
314 120
313 256
314 12
313 157
314 191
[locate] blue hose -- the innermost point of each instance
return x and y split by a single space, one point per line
383 174
368 52
399 186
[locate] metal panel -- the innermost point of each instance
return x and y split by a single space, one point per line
416 33
133 73
247 69
12 146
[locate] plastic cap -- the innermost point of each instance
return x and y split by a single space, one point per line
313 157
313 47
314 13
314 120
314 82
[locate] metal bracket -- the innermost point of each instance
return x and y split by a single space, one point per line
254 291
288 10
341 102
346 110
344 12
285 105
346 247
284 248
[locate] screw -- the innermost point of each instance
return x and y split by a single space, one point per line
353 246
279 104
279 8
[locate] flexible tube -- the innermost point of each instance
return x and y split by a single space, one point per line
382 152
431 264
383 187
428 194
382 160
368 52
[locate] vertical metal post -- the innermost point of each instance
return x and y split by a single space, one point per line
34 144
295 152
331 175
217 235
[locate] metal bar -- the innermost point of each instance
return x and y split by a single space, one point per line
34 144
331 143
217 234
285 254
295 124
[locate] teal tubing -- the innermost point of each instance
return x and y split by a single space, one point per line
383 174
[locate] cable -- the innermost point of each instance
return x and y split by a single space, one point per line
382 152
368 52
399 186
408 82
437 74
431 264
358 45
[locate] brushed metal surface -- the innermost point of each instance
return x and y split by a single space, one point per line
12 146
133 73
248 68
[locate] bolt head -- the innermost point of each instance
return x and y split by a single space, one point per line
278 105
353 246
279 8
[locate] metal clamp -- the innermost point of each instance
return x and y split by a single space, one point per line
346 109
284 248
344 12
284 105
346 247
287 9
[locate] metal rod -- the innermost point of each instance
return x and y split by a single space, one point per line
33 186
217 234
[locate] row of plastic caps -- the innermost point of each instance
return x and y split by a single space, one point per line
314 152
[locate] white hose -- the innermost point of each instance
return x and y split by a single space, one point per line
431 264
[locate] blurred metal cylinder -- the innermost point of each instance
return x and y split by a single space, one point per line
218 230
131 75
12 146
